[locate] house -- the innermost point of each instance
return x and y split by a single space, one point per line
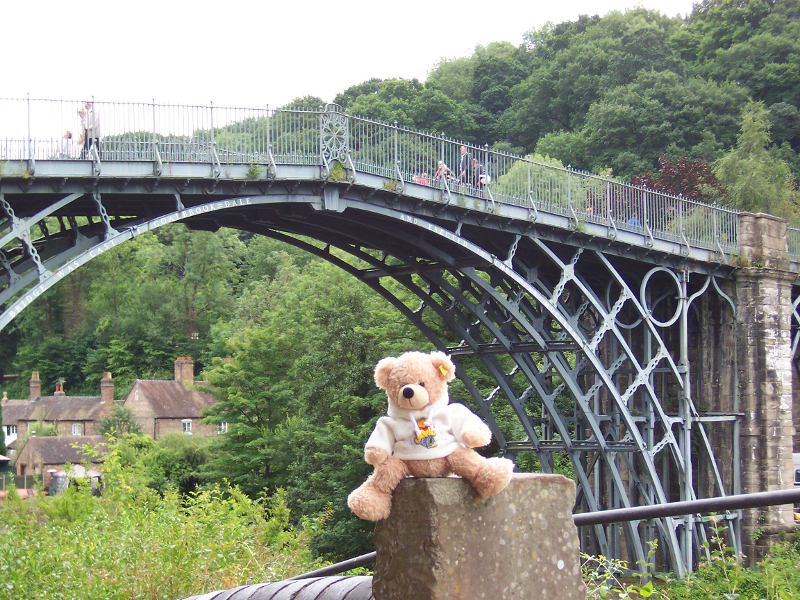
70 415
162 407
12 410
43 456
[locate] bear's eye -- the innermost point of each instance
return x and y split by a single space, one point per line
422 384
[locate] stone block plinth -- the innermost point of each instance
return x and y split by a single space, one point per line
443 541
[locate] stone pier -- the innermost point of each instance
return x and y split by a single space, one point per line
764 298
442 541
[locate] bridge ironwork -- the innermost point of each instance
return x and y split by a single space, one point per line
571 292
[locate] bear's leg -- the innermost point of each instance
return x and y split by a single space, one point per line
429 467
372 500
488 476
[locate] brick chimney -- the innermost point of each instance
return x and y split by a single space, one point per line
184 369
36 385
59 390
107 388
4 401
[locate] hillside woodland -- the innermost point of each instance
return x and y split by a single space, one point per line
707 106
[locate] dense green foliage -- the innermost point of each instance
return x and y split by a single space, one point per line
119 421
135 543
720 574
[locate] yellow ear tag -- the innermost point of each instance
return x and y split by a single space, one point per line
443 369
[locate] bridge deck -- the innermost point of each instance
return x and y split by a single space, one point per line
150 142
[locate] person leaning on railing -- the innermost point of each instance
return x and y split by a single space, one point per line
443 172
422 179
65 149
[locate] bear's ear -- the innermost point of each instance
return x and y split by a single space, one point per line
444 366
382 371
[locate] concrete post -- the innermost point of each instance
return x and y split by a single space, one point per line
764 295
442 541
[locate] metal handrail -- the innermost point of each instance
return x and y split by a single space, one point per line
602 517
149 131
793 243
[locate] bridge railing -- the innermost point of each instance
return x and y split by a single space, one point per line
38 129
793 241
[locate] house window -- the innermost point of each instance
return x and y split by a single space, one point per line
11 430
222 427
187 426
76 429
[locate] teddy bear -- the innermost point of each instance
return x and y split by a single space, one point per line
423 435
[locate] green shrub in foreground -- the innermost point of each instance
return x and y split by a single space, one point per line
134 543
722 577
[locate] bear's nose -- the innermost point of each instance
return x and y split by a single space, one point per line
408 392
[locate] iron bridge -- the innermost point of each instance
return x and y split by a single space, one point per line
571 291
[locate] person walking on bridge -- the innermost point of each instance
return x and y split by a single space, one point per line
90 125
465 166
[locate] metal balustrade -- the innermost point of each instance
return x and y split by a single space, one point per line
793 241
35 130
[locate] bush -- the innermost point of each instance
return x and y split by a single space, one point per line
135 543
722 576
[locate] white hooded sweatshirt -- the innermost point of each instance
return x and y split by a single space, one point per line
431 432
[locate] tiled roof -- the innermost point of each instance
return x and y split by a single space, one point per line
13 410
57 450
314 588
173 400
63 408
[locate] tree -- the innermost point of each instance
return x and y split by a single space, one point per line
658 113
255 390
175 463
753 43
577 64
690 179
496 69
716 25
255 399
452 77
119 422
42 429
754 180
328 465
392 101
201 264
767 65
347 97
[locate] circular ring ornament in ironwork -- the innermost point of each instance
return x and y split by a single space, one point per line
334 136
643 288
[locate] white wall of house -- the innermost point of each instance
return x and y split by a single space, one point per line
10 432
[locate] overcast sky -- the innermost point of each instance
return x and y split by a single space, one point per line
251 53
